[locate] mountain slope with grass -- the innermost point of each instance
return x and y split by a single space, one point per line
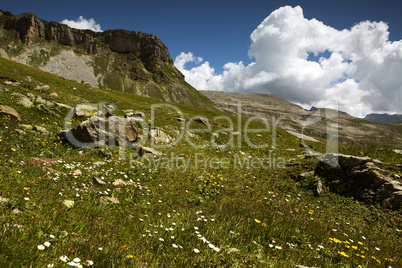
118 60
294 118
218 196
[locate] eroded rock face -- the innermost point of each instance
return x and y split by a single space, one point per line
361 178
101 132
146 47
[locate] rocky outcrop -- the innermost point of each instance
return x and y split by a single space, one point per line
146 47
101 132
120 60
361 178
9 113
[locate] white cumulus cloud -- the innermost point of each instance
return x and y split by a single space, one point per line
359 69
83 24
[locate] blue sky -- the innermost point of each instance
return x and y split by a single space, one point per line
220 32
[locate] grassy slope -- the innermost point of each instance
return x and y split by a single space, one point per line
272 220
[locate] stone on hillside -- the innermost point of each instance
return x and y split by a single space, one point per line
18 95
3 200
21 132
40 129
31 97
359 177
27 127
15 211
77 173
63 106
202 120
40 100
7 111
43 88
119 182
25 102
53 95
146 152
98 181
100 132
85 110
232 250
46 110
158 136
137 116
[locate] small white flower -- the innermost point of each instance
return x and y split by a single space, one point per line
100 248
26 198
321 247
41 247
77 260
376 248
363 237
278 247
50 265
64 258
47 244
51 236
195 228
271 246
141 219
172 237
89 263
196 250
161 239
175 246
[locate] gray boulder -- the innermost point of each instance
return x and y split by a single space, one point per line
100 132
360 178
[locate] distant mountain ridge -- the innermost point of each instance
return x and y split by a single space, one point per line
316 121
120 60
384 118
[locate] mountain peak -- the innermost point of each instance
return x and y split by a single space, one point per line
121 60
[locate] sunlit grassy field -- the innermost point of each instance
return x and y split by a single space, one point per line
195 206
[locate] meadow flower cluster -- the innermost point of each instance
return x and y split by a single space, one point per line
211 183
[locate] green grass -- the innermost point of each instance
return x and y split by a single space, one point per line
168 209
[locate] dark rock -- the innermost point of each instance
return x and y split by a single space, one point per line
359 177
202 121
100 132
146 152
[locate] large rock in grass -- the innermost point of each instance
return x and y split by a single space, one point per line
99 132
9 113
361 178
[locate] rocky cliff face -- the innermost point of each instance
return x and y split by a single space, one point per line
147 47
115 59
